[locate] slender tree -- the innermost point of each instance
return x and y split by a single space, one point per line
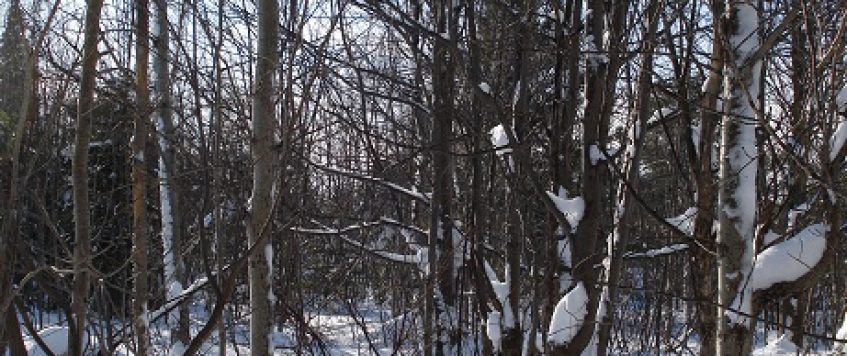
168 191
82 213
140 226
263 154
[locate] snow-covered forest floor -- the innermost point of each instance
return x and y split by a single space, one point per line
333 332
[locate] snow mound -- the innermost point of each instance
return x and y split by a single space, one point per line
568 316
55 337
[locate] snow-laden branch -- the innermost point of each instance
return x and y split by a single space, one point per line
416 258
785 262
666 250
838 139
412 193
685 221
500 140
175 300
789 260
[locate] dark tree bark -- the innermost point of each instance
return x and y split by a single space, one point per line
140 226
79 169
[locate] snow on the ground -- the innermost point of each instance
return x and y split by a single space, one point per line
339 332
55 337
778 346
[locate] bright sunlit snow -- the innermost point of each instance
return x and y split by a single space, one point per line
568 316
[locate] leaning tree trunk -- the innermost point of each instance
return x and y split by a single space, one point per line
264 122
139 180
737 186
79 177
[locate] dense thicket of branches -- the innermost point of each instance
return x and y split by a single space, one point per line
502 176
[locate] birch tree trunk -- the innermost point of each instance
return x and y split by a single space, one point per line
79 177
264 123
737 186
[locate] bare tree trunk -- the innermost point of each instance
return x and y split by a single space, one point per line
139 179
217 177
168 192
630 181
600 78
737 193
477 207
82 215
700 162
9 174
447 335
568 86
264 157
10 334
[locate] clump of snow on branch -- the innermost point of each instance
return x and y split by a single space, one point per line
495 334
837 140
795 213
841 334
593 55
695 138
499 139
685 221
789 260
568 316
497 321
595 155
666 250
660 115
572 209
485 88
269 259
786 261
841 99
